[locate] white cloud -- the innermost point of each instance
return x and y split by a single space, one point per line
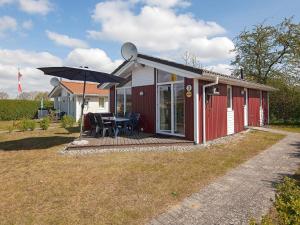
7 23
221 68
94 58
27 61
28 24
158 28
42 7
65 40
33 79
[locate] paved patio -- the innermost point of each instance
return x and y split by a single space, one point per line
243 193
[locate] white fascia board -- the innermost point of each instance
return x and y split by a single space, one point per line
170 69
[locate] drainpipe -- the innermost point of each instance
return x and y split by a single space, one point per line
203 107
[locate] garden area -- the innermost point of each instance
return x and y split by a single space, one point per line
40 186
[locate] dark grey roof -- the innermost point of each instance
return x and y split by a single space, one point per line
199 71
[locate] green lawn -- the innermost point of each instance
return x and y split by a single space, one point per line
40 186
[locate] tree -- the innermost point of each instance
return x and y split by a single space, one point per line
40 95
3 95
191 59
267 51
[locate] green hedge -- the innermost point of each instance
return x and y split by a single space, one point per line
19 109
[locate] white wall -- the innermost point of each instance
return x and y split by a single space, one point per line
92 105
142 76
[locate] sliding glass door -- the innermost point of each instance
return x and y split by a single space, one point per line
170 105
165 108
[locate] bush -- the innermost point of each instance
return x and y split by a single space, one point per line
19 109
23 125
31 125
10 129
287 202
67 121
45 123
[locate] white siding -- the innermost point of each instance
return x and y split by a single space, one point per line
142 76
261 116
230 121
91 106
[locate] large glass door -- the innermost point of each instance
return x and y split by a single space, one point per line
171 108
165 108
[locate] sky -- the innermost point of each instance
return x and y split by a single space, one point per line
37 33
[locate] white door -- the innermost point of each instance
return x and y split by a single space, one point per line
230 112
261 111
245 107
170 108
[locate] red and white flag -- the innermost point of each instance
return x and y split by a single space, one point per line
19 82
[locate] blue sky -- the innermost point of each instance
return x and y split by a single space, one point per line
50 32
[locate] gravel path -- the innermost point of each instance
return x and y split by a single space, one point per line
243 193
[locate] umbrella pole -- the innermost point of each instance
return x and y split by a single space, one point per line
82 106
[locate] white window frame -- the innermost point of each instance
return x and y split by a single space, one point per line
102 97
172 109
229 87
124 98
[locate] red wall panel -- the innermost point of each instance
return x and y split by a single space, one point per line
265 106
112 99
253 107
189 111
216 114
238 108
145 105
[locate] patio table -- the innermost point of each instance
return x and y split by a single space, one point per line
117 121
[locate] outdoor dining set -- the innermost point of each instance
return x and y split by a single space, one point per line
107 124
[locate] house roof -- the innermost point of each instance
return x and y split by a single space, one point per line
196 72
76 88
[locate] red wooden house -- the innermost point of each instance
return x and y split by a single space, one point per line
179 100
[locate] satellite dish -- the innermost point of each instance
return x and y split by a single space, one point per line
54 81
129 51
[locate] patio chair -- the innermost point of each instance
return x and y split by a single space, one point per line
104 127
134 123
93 124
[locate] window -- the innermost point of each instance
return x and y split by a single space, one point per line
163 77
102 102
124 102
229 97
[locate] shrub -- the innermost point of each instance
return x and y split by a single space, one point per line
10 129
45 123
287 202
67 121
23 125
31 125
18 109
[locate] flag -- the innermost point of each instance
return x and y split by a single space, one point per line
19 82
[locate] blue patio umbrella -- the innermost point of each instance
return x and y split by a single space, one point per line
81 74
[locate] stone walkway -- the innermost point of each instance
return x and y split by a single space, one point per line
243 193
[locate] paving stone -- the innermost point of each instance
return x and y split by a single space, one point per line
244 193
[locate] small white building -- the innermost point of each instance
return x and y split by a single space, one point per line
68 98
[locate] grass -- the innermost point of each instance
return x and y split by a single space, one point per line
39 186
289 128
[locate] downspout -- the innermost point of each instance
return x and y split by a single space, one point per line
203 107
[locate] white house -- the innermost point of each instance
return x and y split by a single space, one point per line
68 98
